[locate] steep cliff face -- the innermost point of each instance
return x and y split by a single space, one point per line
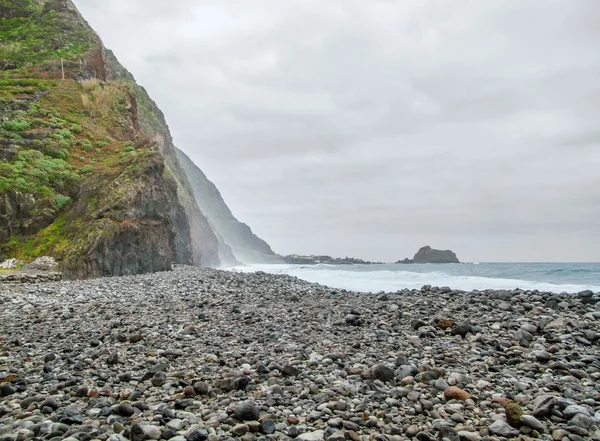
88 169
208 249
245 245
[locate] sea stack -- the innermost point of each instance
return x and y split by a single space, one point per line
430 255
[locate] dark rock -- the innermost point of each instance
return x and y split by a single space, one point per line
354 320
430 255
137 433
461 329
158 379
75 419
201 387
426 377
247 411
401 361
290 371
405 371
135 338
50 402
6 390
448 433
241 383
197 435
125 410
268 427
382 373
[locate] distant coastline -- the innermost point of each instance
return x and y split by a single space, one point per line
297 259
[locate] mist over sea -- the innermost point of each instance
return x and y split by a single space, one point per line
554 277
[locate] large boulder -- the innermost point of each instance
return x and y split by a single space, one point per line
44 263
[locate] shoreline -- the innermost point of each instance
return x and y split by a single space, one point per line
397 277
202 354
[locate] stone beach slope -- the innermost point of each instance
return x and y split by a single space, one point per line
198 354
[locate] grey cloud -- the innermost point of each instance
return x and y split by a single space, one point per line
372 128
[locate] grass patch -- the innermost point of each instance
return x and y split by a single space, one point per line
50 240
31 35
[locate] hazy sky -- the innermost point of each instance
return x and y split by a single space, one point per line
369 128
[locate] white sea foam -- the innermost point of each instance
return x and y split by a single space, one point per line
390 281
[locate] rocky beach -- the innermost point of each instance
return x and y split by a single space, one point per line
197 354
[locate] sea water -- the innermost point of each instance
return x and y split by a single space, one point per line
553 277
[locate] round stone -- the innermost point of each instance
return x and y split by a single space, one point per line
125 410
247 411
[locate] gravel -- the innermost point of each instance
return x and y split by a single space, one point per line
202 354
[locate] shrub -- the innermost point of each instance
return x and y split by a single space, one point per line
63 134
17 125
56 123
86 144
76 128
37 122
90 84
64 144
32 171
129 148
60 201
86 169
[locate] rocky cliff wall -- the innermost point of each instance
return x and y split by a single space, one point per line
89 172
245 245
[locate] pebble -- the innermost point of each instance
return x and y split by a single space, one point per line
247 411
199 354
125 410
502 428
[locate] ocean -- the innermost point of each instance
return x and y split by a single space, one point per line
553 277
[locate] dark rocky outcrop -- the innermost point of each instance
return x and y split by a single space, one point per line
430 255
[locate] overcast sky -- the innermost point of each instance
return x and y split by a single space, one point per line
370 128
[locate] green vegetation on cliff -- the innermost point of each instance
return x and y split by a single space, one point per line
79 178
60 138
37 32
89 172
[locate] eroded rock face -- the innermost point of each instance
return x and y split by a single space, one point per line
144 232
23 214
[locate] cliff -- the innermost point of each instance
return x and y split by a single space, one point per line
430 255
89 172
245 245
